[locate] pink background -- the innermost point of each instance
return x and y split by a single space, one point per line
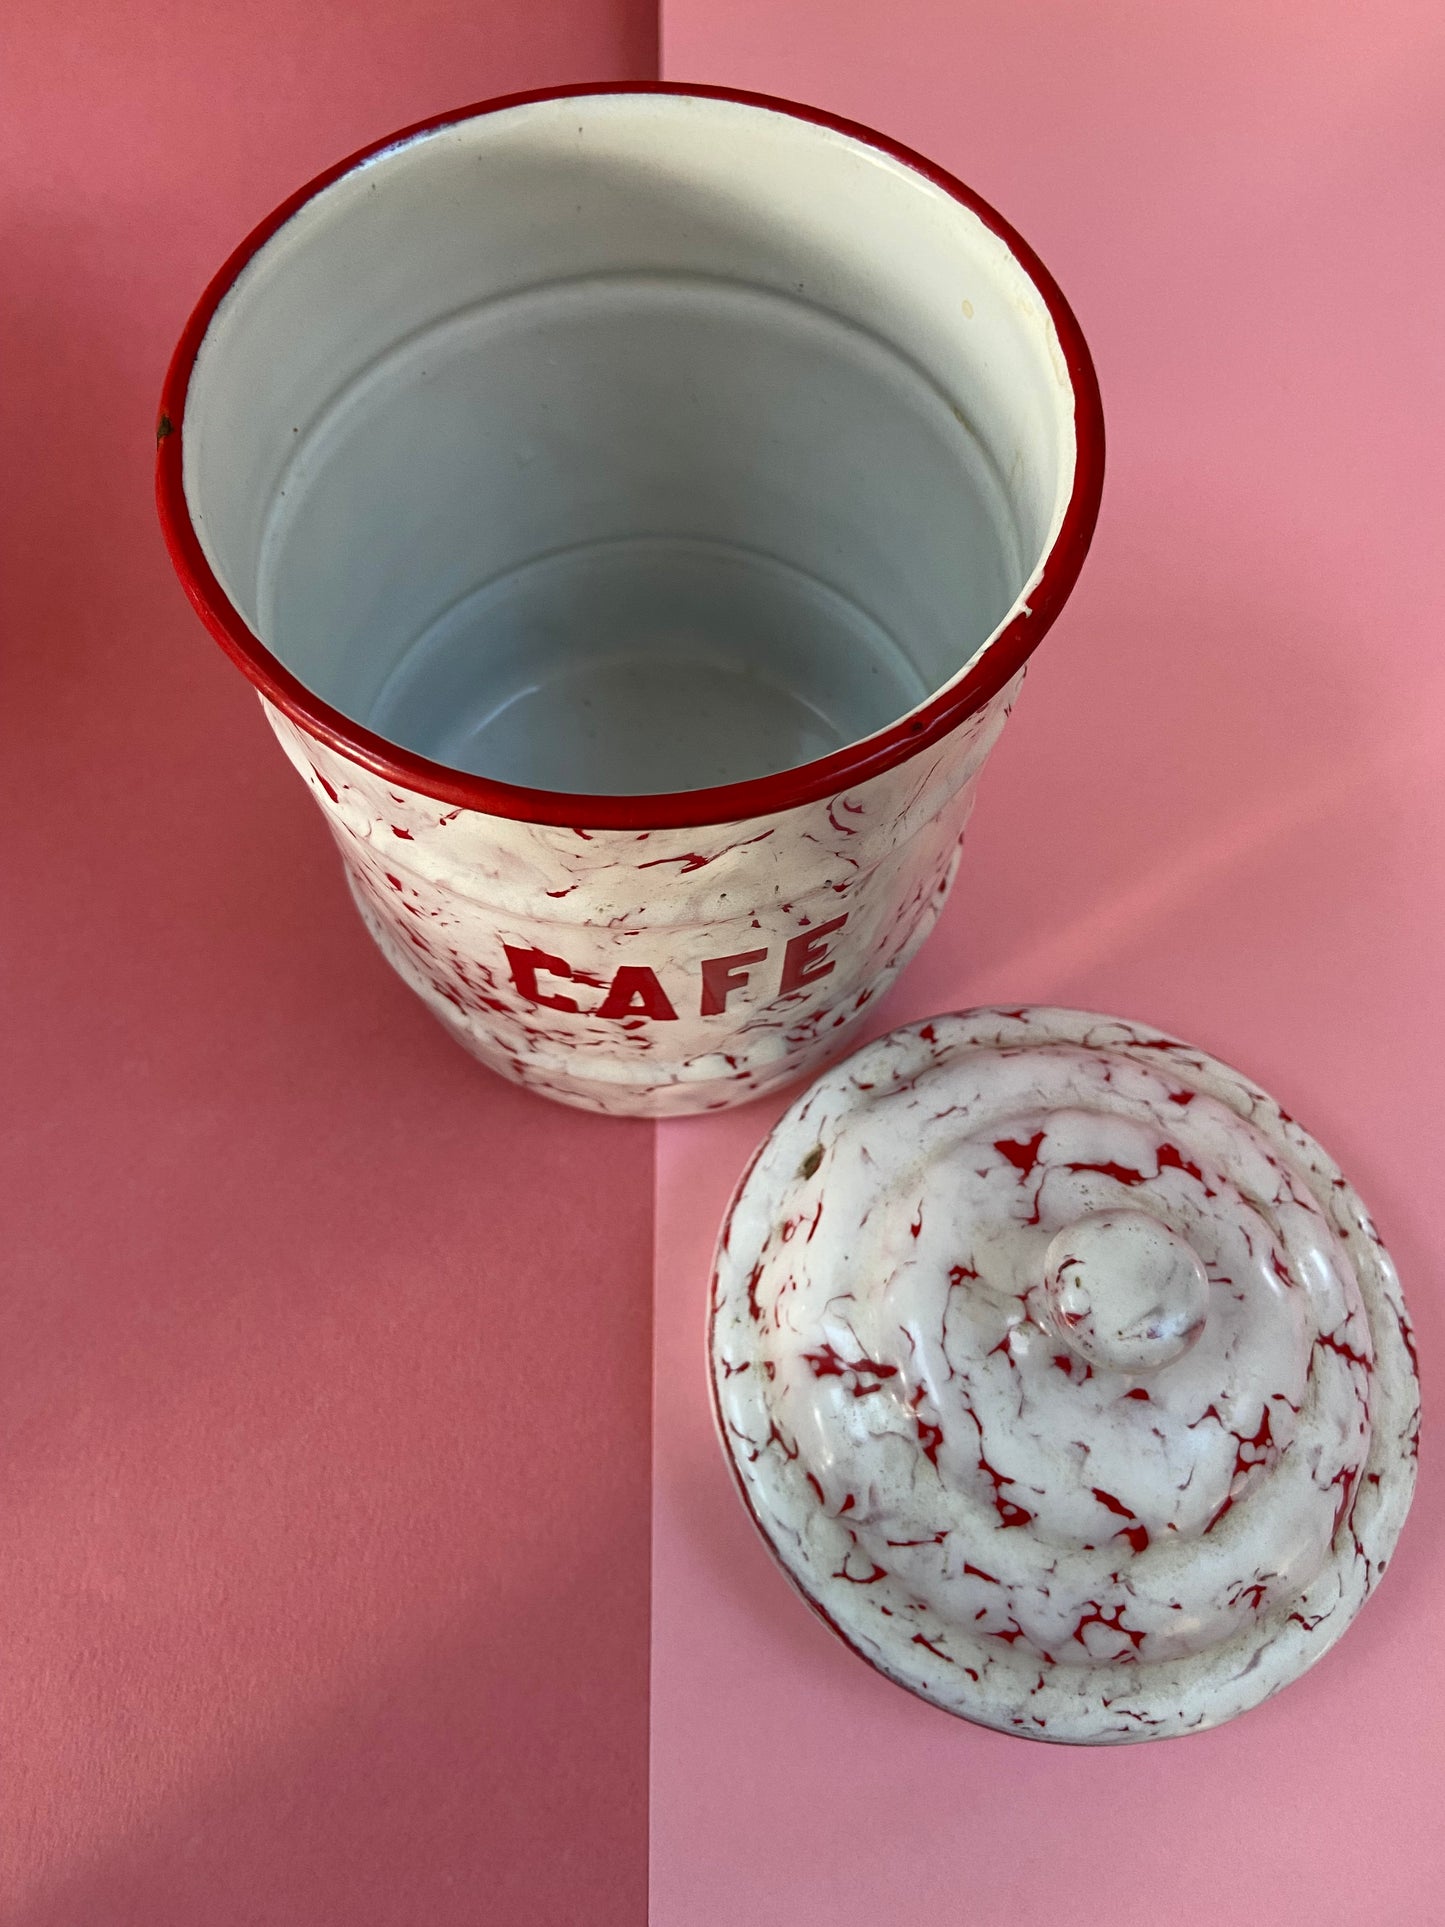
326 1567
1218 808
324 1572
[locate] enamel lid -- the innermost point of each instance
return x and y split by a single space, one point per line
1067 1378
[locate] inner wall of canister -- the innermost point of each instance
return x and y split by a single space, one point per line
628 444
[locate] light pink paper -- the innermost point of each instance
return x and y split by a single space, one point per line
1218 808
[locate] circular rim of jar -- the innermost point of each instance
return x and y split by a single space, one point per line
906 737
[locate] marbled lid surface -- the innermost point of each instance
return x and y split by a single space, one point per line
1065 1375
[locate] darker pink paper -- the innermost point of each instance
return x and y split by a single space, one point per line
1218 808
325 1355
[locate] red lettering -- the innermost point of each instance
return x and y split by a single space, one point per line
803 960
722 975
635 992
524 966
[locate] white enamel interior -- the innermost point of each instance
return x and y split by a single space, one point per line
629 443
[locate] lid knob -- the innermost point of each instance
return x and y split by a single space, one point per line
1125 1292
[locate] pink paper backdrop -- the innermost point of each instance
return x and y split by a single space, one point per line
324 1561
326 1590
1218 808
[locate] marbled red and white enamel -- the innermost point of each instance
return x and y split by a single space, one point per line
652 972
659 953
1059 1514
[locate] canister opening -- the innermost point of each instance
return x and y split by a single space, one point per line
629 443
